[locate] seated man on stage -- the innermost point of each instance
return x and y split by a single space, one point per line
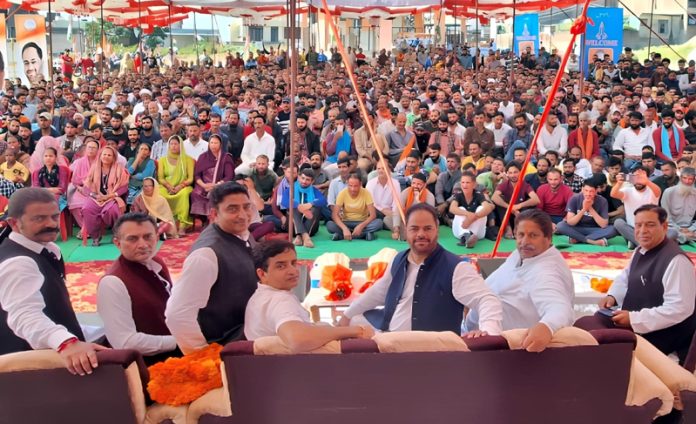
426 287
655 292
587 217
274 310
534 284
132 296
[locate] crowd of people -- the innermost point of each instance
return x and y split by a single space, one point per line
454 137
163 152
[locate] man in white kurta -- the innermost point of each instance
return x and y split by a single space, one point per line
534 284
257 143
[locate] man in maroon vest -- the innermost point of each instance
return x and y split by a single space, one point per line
656 292
133 294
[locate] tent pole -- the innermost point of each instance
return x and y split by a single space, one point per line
477 57
140 40
50 45
195 40
512 68
293 124
652 15
103 51
171 37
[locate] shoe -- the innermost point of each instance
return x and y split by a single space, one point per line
471 242
370 236
336 237
463 240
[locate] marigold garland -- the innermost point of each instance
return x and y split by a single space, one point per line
179 381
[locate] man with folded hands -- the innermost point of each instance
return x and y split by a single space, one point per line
426 287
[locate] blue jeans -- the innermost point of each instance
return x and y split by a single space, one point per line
373 226
582 234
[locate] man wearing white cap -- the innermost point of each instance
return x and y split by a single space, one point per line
145 99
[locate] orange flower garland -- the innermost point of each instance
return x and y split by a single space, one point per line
374 272
179 381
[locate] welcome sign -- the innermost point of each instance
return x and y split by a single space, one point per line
604 39
526 33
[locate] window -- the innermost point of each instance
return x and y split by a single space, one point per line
692 4
662 26
274 34
256 33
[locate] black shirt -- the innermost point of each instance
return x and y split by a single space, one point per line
476 201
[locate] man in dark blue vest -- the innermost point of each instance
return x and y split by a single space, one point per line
426 287
35 309
656 292
209 300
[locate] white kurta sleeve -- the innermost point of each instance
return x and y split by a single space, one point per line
470 289
190 294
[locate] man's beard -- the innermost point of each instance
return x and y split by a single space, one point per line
635 127
667 125
572 127
316 165
684 190
443 131
542 173
568 174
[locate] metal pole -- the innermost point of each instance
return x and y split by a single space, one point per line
195 40
140 40
293 126
652 14
50 44
478 45
581 68
212 26
512 67
103 52
171 37
659 37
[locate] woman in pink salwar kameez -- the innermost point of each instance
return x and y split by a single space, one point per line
78 195
107 183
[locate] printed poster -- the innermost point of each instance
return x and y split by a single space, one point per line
526 33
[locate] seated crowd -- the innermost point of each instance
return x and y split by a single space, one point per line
613 161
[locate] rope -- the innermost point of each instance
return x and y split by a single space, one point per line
363 110
579 27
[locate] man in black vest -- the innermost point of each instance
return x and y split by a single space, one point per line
35 309
656 292
426 287
209 300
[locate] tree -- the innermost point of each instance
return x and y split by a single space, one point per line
155 39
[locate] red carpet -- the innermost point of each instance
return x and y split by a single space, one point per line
84 276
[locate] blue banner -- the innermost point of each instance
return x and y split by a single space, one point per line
604 39
526 33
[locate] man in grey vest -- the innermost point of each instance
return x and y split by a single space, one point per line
656 292
208 301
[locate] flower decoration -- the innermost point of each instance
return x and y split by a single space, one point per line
179 381
337 280
600 284
374 272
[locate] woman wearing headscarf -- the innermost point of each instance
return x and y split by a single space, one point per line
37 157
150 201
175 178
78 194
53 177
106 183
139 167
212 167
